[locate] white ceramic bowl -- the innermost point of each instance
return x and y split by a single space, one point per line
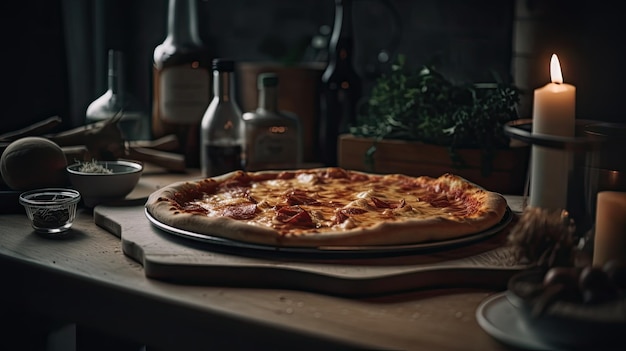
96 187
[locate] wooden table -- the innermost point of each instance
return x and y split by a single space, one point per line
86 279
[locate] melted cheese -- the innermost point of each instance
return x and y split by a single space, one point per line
311 202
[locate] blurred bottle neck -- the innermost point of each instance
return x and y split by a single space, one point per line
116 73
223 80
268 91
182 24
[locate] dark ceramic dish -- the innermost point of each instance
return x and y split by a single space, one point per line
569 324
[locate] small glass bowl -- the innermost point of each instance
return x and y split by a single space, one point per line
50 210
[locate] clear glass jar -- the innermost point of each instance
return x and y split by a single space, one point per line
273 137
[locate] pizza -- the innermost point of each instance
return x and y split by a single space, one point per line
327 207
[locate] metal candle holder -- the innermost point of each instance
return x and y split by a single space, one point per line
595 147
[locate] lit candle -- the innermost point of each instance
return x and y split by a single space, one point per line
610 233
553 114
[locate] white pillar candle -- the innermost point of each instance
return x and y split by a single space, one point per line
610 232
554 110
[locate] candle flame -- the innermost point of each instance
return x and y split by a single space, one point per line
555 70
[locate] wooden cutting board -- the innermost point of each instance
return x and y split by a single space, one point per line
486 263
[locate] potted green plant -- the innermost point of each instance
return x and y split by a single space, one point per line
421 123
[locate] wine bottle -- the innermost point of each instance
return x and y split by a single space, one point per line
222 133
117 100
182 80
341 86
273 137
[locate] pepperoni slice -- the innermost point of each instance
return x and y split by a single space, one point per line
193 208
300 197
437 201
241 211
340 217
294 215
387 204
336 173
380 203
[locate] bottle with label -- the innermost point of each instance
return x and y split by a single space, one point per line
222 133
341 86
118 101
273 137
182 80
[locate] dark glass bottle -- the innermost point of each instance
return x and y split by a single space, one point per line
182 80
273 137
341 86
222 134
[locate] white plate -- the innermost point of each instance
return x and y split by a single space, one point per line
501 320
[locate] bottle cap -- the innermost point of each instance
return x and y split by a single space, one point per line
223 65
268 79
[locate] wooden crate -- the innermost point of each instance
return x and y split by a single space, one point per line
508 174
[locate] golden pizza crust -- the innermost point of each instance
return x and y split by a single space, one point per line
407 231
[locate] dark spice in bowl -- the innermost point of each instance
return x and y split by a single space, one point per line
50 218
51 210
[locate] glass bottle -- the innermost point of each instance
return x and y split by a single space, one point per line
273 137
117 100
182 80
222 133
341 86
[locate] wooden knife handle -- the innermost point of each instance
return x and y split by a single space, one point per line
168 160
165 143
35 129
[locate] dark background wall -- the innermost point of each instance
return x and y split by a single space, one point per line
59 65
